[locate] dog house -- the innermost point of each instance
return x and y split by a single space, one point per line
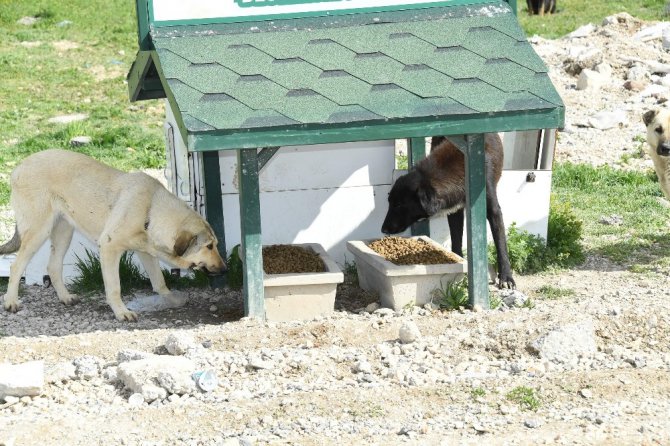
268 98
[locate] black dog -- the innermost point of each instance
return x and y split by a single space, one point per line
438 182
541 7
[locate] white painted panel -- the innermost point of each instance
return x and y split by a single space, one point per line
37 267
329 217
525 203
204 9
316 167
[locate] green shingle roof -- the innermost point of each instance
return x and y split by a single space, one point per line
436 64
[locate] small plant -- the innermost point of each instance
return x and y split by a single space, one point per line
552 292
529 253
494 301
526 397
350 272
529 303
564 235
234 275
3 284
478 392
453 295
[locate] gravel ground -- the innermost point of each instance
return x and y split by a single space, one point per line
597 362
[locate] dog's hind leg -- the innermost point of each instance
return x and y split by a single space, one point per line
456 231
32 237
109 262
61 236
495 219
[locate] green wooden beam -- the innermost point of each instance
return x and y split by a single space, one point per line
214 207
475 215
250 222
323 134
415 153
266 155
142 13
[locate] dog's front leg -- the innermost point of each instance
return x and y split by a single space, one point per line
495 218
109 262
153 269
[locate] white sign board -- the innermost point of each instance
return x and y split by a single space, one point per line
169 10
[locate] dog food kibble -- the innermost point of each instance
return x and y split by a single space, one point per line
407 251
288 259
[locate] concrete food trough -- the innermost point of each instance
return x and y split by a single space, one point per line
400 285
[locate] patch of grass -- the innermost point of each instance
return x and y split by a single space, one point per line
452 295
553 293
3 284
571 14
526 397
637 153
368 410
89 275
643 236
41 80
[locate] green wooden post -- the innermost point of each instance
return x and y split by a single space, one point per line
250 226
415 153
475 214
214 206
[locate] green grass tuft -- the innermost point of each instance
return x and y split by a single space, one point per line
553 293
452 295
526 397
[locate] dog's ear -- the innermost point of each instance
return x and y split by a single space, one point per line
184 241
428 198
649 116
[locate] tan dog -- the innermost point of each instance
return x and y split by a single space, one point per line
658 145
56 191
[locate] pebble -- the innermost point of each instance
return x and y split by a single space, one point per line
532 423
136 400
409 332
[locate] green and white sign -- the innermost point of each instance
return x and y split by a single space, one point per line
178 10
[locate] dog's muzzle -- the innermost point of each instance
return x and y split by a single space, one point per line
663 149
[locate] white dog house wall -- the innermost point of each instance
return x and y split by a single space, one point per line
245 77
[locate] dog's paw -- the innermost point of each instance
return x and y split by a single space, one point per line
11 305
126 315
69 299
506 281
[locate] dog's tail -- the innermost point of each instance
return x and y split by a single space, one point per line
12 245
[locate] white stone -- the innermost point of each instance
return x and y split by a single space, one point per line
25 379
258 363
583 31
409 332
589 79
605 69
654 89
67 119
27 21
140 376
567 343
176 382
374 306
637 73
87 367
136 399
80 141
653 32
179 343
605 120
60 372
512 298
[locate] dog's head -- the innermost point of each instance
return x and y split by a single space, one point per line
412 198
658 130
198 251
